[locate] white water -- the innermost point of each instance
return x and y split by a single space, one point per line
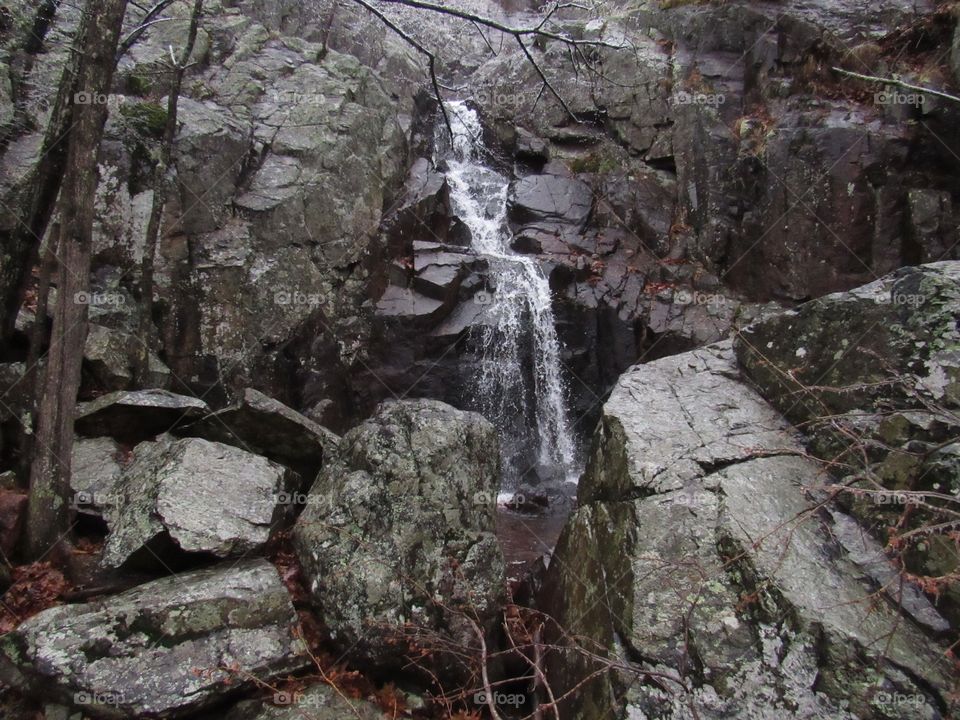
519 320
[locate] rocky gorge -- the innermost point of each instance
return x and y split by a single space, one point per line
495 360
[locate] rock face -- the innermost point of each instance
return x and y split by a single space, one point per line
398 534
267 427
551 198
202 496
726 580
161 650
877 368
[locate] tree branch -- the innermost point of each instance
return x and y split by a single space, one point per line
899 83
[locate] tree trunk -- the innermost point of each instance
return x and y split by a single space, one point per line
49 506
161 187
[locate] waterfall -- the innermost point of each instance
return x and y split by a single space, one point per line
518 384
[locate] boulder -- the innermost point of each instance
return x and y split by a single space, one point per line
109 359
96 475
873 375
162 650
201 496
135 415
267 427
727 582
398 536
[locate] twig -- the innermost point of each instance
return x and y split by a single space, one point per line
899 83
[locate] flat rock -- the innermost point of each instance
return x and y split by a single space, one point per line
134 415
265 426
203 496
162 650
550 198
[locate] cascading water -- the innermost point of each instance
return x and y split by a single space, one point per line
519 383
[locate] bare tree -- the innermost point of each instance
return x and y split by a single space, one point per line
49 510
161 186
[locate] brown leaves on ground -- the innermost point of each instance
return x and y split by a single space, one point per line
35 587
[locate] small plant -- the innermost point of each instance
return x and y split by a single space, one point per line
147 119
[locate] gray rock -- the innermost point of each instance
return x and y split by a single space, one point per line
110 357
398 536
135 415
317 702
876 367
162 650
96 475
550 198
267 427
210 146
725 578
200 495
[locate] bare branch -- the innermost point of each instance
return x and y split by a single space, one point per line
899 83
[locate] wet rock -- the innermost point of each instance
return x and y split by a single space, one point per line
407 305
550 198
397 537
201 496
878 366
165 649
723 575
262 425
423 212
134 415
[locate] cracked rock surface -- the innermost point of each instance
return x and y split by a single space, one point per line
399 530
728 580
162 650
